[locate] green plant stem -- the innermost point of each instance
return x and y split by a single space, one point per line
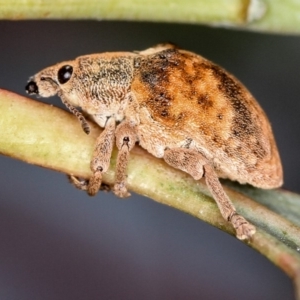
50 137
262 15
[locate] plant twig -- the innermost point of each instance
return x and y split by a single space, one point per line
261 15
50 137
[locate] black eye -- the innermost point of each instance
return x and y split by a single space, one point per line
64 73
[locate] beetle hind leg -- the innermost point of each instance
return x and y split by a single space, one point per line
195 164
244 229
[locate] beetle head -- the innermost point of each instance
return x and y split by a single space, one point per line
51 80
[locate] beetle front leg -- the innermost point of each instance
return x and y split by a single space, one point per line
195 164
101 156
100 160
126 138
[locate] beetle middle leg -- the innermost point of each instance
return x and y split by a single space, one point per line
195 164
126 138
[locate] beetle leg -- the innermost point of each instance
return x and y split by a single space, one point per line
82 184
126 138
79 183
101 156
195 164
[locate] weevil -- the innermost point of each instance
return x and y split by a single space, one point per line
178 106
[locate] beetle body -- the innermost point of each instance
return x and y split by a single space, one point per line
176 105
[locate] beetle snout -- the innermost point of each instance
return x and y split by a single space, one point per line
32 88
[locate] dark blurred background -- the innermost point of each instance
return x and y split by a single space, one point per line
57 243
